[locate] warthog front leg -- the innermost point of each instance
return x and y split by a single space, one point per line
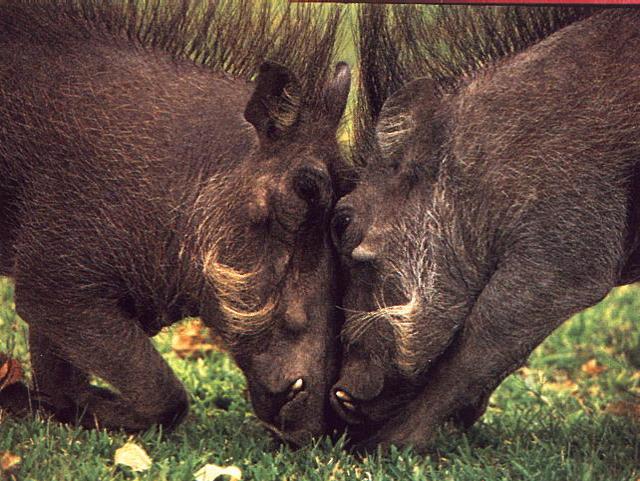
114 349
514 313
56 382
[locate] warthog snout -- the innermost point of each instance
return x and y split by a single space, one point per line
360 382
289 381
280 320
283 408
364 396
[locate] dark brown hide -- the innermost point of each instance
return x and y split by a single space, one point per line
486 214
135 191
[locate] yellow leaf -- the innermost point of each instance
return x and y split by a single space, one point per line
8 461
594 390
592 368
564 386
209 472
133 456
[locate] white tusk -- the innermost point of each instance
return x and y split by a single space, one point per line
298 385
362 253
343 396
349 405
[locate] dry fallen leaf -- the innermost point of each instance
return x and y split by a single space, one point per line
133 456
193 339
592 368
563 386
527 372
209 472
594 391
9 462
10 371
624 408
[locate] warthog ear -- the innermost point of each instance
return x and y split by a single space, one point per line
336 93
407 131
274 107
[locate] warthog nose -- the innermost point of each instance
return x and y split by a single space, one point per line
296 387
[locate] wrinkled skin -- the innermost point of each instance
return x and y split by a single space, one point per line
300 342
128 205
510 205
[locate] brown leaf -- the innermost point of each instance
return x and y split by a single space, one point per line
592 368
10 371
624 408
563 386
527 372
524 371
193 339
9 462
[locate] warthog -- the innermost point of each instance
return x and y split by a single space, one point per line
144 179
493 205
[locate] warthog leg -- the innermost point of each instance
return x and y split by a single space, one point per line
55 381
514 313
116 350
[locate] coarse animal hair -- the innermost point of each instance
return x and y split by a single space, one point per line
245 314
231 36
414 284
164 159
429 240
447 44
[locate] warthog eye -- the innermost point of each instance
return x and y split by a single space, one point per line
313 186
339 224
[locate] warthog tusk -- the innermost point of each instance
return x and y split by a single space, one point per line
298 385
363 253
343 396
348 405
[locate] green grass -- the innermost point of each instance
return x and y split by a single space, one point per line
540 426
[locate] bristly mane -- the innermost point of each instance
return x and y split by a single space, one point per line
444 43
231 36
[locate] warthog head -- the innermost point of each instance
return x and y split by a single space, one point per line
385 231
271 277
